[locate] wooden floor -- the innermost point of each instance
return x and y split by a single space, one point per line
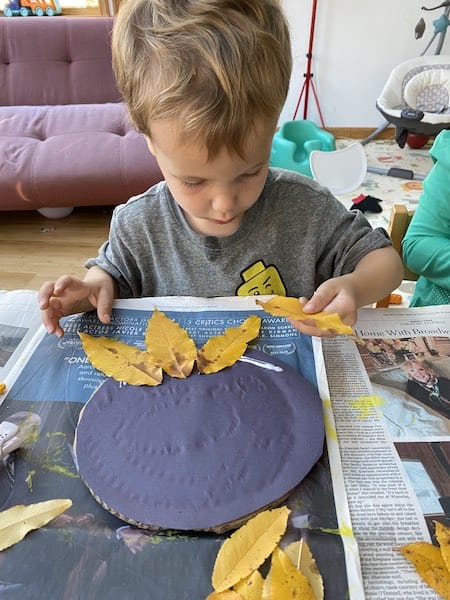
34 249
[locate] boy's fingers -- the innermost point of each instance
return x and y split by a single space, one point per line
312 330
318 302
325 296
51 322
50 289
65 282
45 293
59 331
104 307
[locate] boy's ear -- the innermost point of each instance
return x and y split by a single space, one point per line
150 144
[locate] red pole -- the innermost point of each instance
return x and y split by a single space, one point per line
308 76
308 73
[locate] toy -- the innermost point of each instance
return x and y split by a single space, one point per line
293 143
341 171
24 8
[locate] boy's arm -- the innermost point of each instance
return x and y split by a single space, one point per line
374 277
68 295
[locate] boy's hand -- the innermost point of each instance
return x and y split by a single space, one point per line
69 295
336 295
376 275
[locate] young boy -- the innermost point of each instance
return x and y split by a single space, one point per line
205 81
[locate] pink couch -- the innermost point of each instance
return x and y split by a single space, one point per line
65 138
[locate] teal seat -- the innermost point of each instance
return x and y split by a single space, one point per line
293 143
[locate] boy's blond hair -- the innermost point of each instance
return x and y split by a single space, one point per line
213 66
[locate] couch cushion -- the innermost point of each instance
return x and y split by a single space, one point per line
56 60
74 155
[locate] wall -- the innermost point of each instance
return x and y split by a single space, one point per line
356 45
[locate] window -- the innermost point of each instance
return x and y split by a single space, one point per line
80 7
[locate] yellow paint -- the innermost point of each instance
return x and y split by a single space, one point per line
168 535
155 539
29 479
296 505
345 531
366 405
61 470
330 429
53 454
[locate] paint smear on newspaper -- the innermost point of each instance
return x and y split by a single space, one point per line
367 406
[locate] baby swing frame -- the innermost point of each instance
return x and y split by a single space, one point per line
440 32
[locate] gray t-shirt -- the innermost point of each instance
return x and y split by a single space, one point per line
295 236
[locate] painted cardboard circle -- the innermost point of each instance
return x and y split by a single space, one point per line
197 453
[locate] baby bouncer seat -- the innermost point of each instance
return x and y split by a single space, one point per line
416 97
294 142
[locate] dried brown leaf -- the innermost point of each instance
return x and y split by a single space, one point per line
301 557
251 588
443 537
224 350
17 521
287 581
248 547
267 588
226 595
170 345
429 564
121 361
282 306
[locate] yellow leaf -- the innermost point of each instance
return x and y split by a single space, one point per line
224 350
226 595
121 361
301 557
428 561
248 547
251 588
443 537
287 581
17 521
282 306
2 388
170 345
267 588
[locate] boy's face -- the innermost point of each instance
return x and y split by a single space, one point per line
213 194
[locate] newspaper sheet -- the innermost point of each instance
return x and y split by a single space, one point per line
382 480
394 437
50 379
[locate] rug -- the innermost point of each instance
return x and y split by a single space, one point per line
386 154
